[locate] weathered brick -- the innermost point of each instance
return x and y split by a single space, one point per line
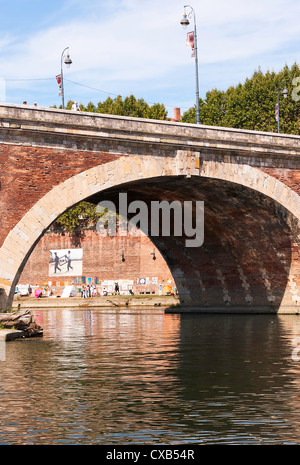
249 182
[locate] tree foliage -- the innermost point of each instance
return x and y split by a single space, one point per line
129 106
82 215
85 215
251 105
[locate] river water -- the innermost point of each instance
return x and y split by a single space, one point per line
132 376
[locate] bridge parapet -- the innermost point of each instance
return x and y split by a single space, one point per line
50 127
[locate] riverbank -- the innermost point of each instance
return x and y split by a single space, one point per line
20 324
100 301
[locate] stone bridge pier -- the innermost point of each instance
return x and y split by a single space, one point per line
249 183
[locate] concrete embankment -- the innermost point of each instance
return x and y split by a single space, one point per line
102 301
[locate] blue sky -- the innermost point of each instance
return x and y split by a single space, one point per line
138 46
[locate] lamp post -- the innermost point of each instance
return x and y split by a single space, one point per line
185 22
68 62
277 113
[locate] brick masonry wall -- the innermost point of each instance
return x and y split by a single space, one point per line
289 177
28 173
101 258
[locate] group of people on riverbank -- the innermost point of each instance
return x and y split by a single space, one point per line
91 291
88 291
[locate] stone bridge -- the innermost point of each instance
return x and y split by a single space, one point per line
249 181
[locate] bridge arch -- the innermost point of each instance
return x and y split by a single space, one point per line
185 165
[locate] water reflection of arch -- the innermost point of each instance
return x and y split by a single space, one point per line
238 379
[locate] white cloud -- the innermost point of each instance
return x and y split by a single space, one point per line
140 41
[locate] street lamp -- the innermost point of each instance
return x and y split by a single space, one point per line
285 94
185 22
68 62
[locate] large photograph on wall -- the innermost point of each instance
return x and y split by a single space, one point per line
65 262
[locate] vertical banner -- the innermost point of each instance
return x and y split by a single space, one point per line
58 78
190 40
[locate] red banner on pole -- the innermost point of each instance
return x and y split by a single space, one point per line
58 78
190 40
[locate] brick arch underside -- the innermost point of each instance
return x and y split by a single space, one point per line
249 259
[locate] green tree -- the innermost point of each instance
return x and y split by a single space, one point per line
81 215
130 106
157 111
90 107
251 105
214 108
84 215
